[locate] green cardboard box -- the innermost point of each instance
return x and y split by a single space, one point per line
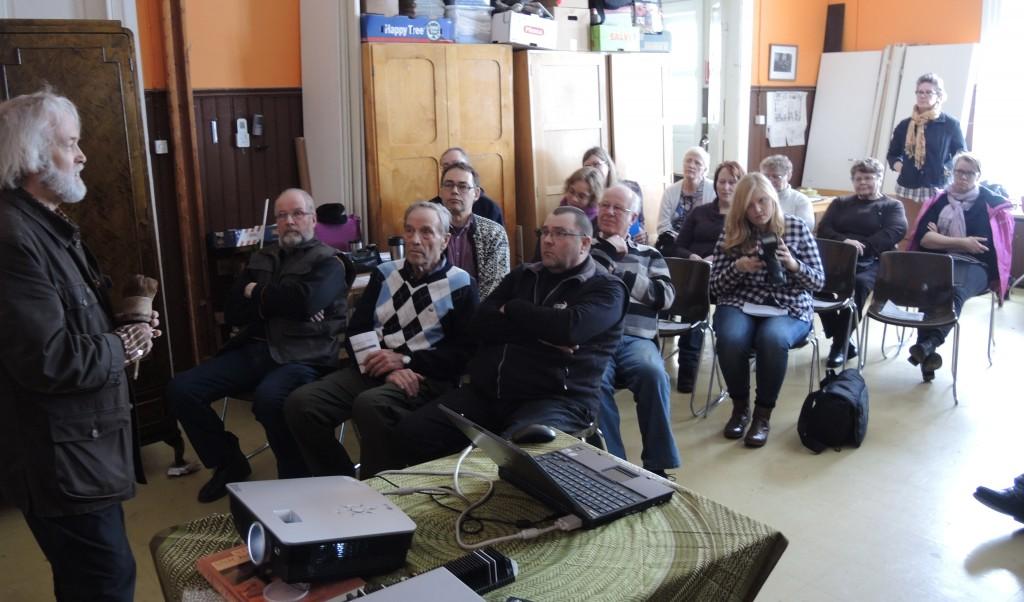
615 38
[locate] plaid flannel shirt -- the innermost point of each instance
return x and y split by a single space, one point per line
733 287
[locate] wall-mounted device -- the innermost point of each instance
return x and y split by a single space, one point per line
213 131
242 133
257 124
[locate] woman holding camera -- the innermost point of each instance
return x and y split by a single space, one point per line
763 271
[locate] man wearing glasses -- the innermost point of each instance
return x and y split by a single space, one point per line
484 205
477 244
545 336
637 361
288 306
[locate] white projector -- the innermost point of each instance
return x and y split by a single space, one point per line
321 528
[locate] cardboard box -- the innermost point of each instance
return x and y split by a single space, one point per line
551 5
614 38
386 8
622 17
573 28
656 42
528 31
375 28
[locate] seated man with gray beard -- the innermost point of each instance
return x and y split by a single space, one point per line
289 306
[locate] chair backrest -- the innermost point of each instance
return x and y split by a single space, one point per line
691 279
914 279
840 262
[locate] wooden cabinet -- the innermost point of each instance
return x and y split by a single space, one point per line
91 63
568 102
420 99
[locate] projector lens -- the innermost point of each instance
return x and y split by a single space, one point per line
257 543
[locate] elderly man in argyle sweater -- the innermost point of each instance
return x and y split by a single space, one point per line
419 309
637 363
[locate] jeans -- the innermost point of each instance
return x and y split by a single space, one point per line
969 280
88 553
637 364
689 355
772 338
233 372
427 434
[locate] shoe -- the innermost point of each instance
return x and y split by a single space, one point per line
757 436
216 487
684 386
738 421
835 354
661 473
920 351
1008 501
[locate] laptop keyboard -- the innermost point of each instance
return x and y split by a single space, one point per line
599 495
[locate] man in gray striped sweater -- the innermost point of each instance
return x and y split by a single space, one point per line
637 363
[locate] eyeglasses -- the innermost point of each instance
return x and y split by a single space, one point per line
963 173
595 163
925 93
579 196
462 187
295 215
613 209
857 179
558 233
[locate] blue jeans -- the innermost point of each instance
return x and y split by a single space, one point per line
88 553
772 338
233 372
637 364
969 280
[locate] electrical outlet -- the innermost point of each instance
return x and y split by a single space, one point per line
160 147
242 133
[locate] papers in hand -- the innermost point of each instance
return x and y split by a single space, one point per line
363 344
891 311
763 311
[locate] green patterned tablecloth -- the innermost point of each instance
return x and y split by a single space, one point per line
689 549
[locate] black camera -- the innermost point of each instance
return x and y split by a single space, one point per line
770 244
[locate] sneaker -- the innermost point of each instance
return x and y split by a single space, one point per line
216 487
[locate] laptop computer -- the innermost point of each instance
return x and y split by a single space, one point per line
595 486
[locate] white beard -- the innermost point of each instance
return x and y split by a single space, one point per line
290 240
69 188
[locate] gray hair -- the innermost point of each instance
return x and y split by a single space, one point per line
700 152
776 162
307 199
935 80
970 158
582 221
631 195
443 215
28 126
869 165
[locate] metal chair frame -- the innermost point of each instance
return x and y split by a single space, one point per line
840 262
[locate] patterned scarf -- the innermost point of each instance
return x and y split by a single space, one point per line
951 218
914 145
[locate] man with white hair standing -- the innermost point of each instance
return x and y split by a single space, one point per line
65 411
637 361
289 306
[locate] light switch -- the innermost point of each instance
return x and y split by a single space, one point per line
160 147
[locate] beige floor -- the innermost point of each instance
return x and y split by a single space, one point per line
894 520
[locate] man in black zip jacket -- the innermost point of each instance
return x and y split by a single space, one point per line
546 334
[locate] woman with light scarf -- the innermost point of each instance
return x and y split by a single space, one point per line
975 227
923 145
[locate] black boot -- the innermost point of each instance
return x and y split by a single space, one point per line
235 469
835 354
738 421
757 436
923 354
1008 501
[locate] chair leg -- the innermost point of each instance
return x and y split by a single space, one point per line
885 330
715 375
991 327
693 390
863 345
814 370
956 357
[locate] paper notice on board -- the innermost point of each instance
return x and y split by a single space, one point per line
787 118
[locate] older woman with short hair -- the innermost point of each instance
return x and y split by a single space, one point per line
693 190
923 145
755 311
873 223
779 169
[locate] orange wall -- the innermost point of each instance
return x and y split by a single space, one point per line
232 43
868 25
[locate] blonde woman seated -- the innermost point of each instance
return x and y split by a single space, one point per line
764 299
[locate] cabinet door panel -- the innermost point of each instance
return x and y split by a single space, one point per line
641 128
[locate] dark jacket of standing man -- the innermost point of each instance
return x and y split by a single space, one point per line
65 412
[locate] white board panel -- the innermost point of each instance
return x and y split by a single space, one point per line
844 103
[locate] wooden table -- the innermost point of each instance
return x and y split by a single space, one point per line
688 549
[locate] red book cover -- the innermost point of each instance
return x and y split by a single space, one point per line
235 577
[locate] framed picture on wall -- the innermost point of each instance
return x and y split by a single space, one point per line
782 62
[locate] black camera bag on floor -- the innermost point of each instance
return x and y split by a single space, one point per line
836 414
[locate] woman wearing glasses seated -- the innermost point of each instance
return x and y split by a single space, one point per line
872 222
923 145
583 189
599 159
697 238
763 271
975 227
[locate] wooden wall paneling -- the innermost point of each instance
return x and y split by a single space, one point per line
641 126
410 129
236 181
758 143
481 119
562 99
